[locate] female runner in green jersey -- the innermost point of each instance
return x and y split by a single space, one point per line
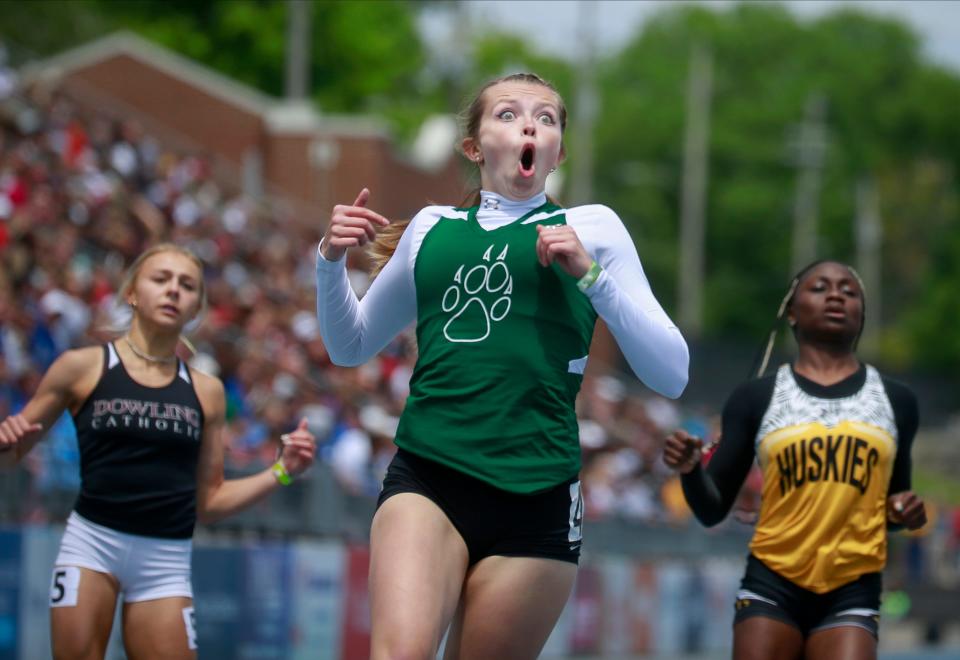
478 525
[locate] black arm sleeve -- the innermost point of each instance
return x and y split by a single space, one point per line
711 492
907 415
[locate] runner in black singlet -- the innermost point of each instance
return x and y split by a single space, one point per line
151 464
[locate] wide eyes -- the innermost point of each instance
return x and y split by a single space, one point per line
544 118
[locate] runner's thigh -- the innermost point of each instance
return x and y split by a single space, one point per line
842 643
417 564
161 629
509 607
82 605
762 638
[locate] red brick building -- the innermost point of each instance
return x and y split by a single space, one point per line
287 150
261 144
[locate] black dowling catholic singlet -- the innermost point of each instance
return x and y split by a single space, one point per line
139 448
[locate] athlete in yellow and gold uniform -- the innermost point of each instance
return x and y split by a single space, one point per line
833 455
832 438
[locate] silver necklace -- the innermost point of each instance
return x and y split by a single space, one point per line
149 358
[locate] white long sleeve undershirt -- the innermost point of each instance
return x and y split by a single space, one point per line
356 330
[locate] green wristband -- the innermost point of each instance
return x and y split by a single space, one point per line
280 472
590 277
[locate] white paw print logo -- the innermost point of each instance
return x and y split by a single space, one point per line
470 295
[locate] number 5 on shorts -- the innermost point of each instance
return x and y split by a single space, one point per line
64 586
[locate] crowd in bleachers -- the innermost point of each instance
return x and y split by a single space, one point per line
81 195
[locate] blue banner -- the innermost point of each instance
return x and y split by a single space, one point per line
266 621
9 592
218 600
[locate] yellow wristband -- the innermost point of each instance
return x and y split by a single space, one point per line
280 472
589 277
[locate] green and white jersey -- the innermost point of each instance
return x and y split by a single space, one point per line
503 341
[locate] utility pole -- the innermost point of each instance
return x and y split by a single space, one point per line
809 149
696 149
581 187
604 353
298 50
869 239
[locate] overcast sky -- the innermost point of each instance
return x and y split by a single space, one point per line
554 25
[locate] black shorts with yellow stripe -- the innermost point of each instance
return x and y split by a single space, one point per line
764 592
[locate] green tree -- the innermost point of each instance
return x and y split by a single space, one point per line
364 56
890 117
44 27
887 117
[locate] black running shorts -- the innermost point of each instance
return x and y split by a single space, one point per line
764 592
490 520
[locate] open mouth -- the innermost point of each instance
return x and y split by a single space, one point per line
526 160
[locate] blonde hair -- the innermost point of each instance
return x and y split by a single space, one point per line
133 272
787 302
382 248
